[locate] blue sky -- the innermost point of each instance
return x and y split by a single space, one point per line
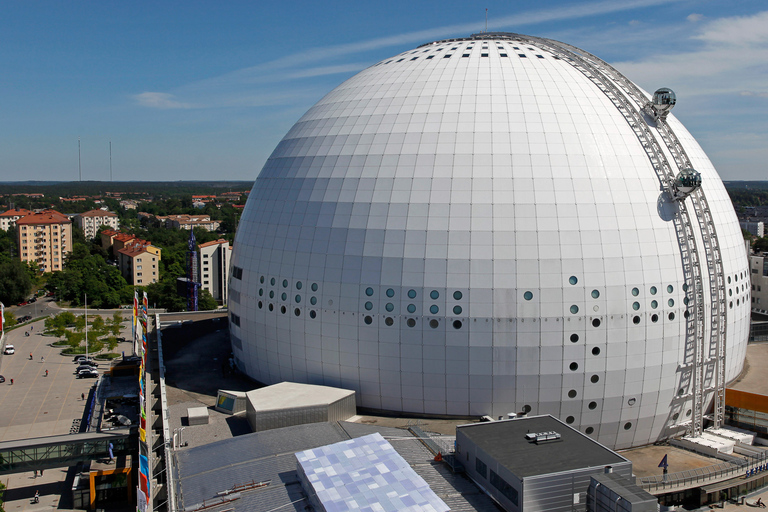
205 90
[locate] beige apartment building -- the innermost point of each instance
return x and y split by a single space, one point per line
139 262
214 260
92 220
8 219
44 238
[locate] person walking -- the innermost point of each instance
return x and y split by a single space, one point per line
42 359
30 356
11 382
82 396
46 373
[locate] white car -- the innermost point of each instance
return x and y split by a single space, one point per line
9 349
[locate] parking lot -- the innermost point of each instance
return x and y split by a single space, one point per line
36 405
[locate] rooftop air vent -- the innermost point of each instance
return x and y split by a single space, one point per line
542 437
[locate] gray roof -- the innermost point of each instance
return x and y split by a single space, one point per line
505 441
298 395
207 470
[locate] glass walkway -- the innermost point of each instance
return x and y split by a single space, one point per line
67 450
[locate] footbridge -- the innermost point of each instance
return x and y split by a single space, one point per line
66 450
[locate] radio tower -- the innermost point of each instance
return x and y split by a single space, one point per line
192 278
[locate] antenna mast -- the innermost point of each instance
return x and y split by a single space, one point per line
110 160
79 162
486 20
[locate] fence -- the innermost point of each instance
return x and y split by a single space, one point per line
749 466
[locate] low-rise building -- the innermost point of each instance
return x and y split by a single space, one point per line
92 220
139 262
191 221
44 238
214 264
758 268
8 219
756 228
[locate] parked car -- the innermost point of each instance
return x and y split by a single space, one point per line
2 379
86 374
84 367
9 349
88 362
22 303
79 357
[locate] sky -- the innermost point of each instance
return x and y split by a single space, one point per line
203 90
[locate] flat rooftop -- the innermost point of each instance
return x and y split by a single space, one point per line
507 442
294 395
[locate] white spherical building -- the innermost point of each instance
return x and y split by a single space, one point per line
489 225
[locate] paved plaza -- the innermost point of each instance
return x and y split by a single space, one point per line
36 405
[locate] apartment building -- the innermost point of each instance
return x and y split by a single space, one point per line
214 264
139 262
8 219
92 220
44 238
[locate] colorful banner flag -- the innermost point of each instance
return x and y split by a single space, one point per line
2 318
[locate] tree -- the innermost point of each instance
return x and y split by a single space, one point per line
15 283
761 244
205 301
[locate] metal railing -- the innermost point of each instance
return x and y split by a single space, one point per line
747 467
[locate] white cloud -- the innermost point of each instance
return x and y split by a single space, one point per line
159 100
695 17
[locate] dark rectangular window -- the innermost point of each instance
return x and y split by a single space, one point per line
429 56
521 55
540 56
414 58
465 55
235 319
481 468
483 54
237 272
447 55
504 488
503 54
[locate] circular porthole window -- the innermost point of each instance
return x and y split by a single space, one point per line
627 425
574 338
635 292
261 279
369 306
313 300
282 309
653 290
412 294
675 416
368 320
654 304
686 314
635 306
592 406
574 366
456 310
434 309
670 289
271 307
528 295
260 304
389 307
457 295
574 309
631 401
297 299
297 312
284 296
570 419
314 287
595 294
572 393
434 294
389 321
457 324
596 322
271 294
411 308
410 322
635 319
654 318
526 409
272 281
312 314
390 292
595 351
573 280
285 283
671 316
434 323
685 287
369 291
589 430
261 292
298 285
671 302
594 379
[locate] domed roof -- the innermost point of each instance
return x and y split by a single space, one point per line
485 228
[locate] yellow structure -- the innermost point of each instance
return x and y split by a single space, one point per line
44 238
